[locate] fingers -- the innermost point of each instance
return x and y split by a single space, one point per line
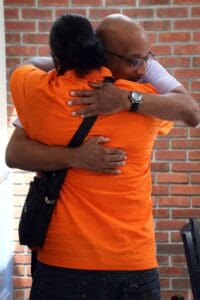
85 111
111 171
97 85
81 93
80 101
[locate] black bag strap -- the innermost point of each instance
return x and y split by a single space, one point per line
82 132
55 179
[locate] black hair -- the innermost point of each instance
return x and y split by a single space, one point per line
75 46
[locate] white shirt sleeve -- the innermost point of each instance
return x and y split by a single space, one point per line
159 77
17 123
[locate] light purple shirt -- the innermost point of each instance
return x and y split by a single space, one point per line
156 74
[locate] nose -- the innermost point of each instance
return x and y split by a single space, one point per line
141 70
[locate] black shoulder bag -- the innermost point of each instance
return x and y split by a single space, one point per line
43 194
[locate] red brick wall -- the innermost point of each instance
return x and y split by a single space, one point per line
174 28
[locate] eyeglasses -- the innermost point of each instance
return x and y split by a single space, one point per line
134 61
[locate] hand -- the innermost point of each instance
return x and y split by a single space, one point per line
104 99
94 157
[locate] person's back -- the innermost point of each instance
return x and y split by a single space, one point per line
119 208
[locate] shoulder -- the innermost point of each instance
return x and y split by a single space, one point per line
159 77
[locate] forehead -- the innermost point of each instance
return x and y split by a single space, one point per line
135 43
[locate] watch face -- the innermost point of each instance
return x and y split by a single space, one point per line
135 99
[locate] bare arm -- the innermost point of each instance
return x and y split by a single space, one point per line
107 99
27 154
44 63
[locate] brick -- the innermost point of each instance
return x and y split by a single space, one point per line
165 283
22 282
152 37
20 26
44 26
22 259
172 178
53 3
187 24
194 155
195 85
61 11
187 73
19 2
186 144
101 13
169 248
178 132
13 38
186 1
160 190
172 12
182 213
160 167
185 189
156 25
171 37
195 11
175 236
196 201
19 270
180 283
162 236
195 132
161 144
154 2
196 61
179 201
36 13
163 260
170 155
187 49
170 224
11 13
160 213
186 166
43 50
173 271
161 49
120 2
178 260
87 2
19 294
21 50
139 13
196 36
35 38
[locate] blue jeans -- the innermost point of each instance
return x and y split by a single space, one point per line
53 283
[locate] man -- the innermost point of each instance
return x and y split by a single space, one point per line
174 104
100 241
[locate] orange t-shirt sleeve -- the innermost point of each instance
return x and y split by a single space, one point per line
22 83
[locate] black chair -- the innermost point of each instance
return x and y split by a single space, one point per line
191 241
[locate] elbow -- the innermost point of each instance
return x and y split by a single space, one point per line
192 116
9 159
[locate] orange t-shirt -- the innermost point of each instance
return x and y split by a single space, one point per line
101 221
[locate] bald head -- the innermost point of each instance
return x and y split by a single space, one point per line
120 33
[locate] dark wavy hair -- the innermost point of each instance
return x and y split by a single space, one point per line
74 45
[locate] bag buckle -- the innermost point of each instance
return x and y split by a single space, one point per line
48 201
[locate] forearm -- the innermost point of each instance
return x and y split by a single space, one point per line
172 106
26 154
44 63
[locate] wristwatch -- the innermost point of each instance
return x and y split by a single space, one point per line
136 100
